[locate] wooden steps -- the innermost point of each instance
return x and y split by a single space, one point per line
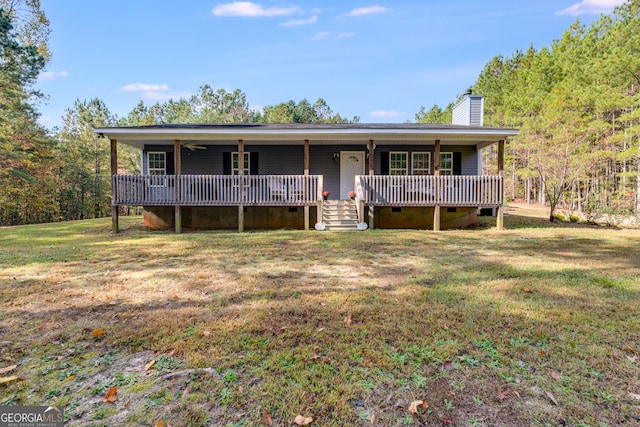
340 215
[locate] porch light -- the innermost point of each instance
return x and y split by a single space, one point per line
336 156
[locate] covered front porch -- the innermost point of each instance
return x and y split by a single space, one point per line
305 191
378 166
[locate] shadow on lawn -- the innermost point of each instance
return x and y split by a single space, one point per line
415 300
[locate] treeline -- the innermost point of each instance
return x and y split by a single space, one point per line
65 174
577 105
575 102
70 177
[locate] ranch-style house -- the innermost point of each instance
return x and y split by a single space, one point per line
322 176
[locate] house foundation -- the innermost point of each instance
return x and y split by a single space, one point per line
226 218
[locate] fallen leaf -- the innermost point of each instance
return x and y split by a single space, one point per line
635 396
373 419
111 396
319 329
527 290
97 332
347 320
447 365
302 421
266 417
505 393
632 359
126 405
446 420
551 397
315 357
69 378
8 369
160 423
7 380
416 405
555 375
206 333
149 365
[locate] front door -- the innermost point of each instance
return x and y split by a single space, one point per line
351 164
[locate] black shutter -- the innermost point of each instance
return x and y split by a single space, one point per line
253 163
384 163
457 163
169 163
226 163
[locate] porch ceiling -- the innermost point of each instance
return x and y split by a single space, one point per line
295 134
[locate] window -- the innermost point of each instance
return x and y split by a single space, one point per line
235 170
157 162
446 163
420 163
398 163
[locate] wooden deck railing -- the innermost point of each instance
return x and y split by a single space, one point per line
217 190
301 190
428 190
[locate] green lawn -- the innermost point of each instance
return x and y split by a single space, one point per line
536 325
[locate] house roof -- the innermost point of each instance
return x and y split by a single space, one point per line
317 134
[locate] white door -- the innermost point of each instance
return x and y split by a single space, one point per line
351 164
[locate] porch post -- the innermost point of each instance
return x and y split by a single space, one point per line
500 213
114 191
240 184
177 162
306 183
371 149
436 174
319 217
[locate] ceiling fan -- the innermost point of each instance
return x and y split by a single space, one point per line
191 146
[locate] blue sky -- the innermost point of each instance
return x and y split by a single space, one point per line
378 60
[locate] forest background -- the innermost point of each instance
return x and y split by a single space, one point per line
576 103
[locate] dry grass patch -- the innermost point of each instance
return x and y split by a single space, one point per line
489 328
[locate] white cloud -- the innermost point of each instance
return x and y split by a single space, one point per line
345 35
154 92
386 114
143 87
590 7
51 75
367 10
320 36
246 8
299 22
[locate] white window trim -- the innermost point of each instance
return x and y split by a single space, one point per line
236 171
149 168
158 179
406 168
440 160
428 168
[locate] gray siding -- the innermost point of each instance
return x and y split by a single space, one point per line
469 111
469 155
289 160
476 113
